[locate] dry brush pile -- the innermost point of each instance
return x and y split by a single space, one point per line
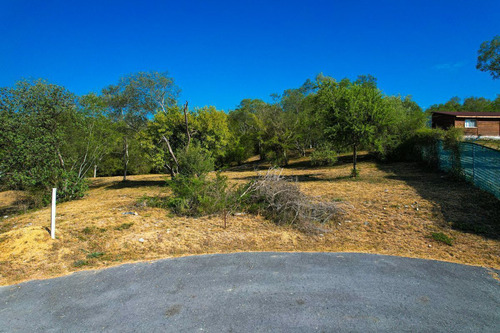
281 200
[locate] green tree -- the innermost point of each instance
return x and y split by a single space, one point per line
134 100
246 130
165 134
210 129
488 59
354 115
42 124
99 132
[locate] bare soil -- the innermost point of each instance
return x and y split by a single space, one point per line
390 209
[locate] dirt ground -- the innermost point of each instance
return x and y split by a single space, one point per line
390 209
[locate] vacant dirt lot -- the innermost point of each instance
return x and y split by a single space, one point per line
391 209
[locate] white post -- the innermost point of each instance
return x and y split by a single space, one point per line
53 220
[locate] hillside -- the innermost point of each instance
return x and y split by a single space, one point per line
391 209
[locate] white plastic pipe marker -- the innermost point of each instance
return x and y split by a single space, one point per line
53 219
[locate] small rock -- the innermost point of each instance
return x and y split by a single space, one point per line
367 223
406 206
141 240
430 245
321 235
385 208
130 213
386 190
417 209
6 216
239 214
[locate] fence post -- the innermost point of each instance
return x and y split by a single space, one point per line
53 217
474 163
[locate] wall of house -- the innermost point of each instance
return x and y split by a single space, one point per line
485 127
442 121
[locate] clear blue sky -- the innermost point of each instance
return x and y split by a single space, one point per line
220 52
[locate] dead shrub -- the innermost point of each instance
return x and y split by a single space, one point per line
282 201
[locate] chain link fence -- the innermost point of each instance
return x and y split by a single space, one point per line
480 165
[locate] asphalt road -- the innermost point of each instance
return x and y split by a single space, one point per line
260 292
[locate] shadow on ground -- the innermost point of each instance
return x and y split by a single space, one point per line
463 206
133 184
299 165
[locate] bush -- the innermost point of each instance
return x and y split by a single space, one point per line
451 142
323 156
194 162
197 196
422 146
69 187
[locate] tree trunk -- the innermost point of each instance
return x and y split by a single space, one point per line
95 170
173 169
187 126
125 158
354 161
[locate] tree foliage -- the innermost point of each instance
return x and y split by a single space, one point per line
134 100
356 115
488 59
36 152
469 104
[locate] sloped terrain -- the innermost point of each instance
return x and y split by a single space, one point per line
391 209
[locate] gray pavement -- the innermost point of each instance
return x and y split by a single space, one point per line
260 292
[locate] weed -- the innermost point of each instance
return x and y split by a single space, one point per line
157 202
80 263
354 173
124 226
440 237
91 230
95 255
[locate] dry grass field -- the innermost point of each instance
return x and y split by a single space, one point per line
391 209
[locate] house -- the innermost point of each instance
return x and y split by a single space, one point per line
484 124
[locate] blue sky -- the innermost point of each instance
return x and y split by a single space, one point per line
220 52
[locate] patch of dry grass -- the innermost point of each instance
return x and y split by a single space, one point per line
391 209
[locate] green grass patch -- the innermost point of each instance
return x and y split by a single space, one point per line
80 263
95 255
91 230
440 237
124 226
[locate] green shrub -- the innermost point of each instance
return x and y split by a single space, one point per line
422 146
194 162
451 142
323 155
196 196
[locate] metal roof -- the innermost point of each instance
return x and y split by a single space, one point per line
470 114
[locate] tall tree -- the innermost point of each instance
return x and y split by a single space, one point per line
99 133
135 99
41 125
488 59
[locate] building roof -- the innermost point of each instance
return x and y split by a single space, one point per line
470 114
